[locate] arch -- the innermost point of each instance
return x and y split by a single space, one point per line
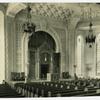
54 35
14 8
45 38
57 40
25 40
2 46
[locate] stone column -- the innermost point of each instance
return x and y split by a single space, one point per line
71 36
26 56
23 52
9 45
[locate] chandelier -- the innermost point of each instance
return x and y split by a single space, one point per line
90 39
28 26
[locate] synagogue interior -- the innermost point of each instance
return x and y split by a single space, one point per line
49 49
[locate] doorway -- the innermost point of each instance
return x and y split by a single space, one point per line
44 69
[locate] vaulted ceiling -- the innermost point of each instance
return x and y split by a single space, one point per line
61 11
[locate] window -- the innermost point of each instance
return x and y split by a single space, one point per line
80 48
98 54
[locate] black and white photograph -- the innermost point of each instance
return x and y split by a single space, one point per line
49 49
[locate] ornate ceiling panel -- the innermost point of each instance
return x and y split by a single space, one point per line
60 11
52 11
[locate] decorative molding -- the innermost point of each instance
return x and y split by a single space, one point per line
14 8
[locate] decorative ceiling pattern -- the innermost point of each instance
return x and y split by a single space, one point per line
52 11
59 11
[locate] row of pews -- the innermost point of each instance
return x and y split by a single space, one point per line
80 87
7 92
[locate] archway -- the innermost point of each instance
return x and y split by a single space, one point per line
42 48
2 48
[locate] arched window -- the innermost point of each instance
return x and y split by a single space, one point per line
80 48
2 48
98 54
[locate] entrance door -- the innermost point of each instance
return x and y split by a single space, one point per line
44 69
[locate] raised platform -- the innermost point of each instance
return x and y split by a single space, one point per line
12 83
